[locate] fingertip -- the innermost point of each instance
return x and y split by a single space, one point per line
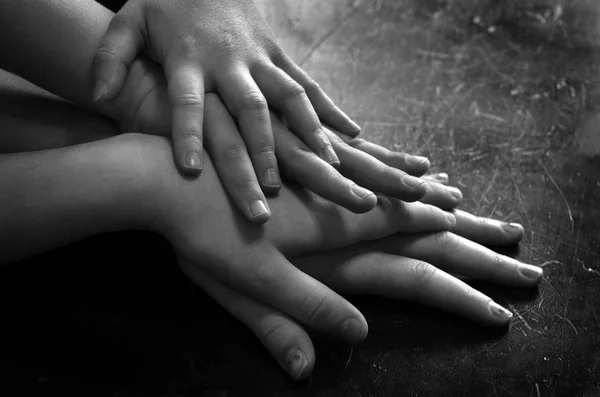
329 155
354 330
271 181
368 199
192 163
297 364
499 315
259 212
100 91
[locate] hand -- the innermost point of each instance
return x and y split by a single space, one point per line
142 105
219 46
408 267
204 229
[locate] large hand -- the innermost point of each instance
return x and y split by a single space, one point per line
222 46
403 266
142 105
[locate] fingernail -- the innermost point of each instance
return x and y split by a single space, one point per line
456 194
352 127
442 177
360 192
450 218
296 362
192 160
328 154
412 181
353 330
271 178
100 90
258 208
513 228
531 272
499 311
419 160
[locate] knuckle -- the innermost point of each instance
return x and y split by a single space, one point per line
266 276
423 273
316 308
233 152
444 239
253 101
271 327
189 46
312 86
292 90
389 173
189 99
105 54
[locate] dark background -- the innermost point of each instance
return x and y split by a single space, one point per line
501 95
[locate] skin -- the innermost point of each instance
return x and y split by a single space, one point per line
143 105
224 47
128 182
273 277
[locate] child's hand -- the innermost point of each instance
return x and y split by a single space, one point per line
219 46
142 106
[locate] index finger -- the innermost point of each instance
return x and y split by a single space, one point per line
186 95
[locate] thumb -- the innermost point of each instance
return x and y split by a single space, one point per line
117 49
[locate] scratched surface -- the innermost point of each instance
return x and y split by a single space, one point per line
503 96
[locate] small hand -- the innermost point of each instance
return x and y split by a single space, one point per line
219 46
142 105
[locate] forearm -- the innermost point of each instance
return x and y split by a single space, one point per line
51 43
53 197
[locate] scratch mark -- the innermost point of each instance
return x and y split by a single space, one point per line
595 317
522 202
547 263
537 388
327 35
561 194
567 320
514 309
349 358
487 190
587 269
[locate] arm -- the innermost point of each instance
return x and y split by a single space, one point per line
52 42
53 197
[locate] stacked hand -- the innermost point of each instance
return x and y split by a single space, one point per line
224 46
271 279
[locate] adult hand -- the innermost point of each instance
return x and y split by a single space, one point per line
403 266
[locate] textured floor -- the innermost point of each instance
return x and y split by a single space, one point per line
502 95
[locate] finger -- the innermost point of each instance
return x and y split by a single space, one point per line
388 217
325 108
263 273
287 342
371 173
186 95
413 165
399 277
246 102
290 98
458 255
441 177
300 164
487 231
442 196
232 162
114 55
